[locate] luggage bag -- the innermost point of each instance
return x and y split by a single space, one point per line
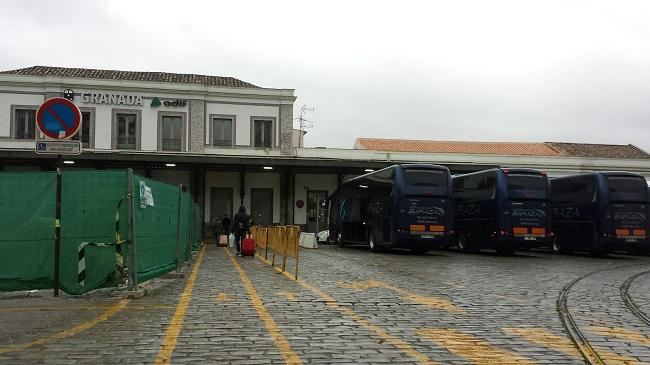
223 240
248 247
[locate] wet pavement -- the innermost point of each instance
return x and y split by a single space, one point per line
349 306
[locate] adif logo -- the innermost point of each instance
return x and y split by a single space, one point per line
155 102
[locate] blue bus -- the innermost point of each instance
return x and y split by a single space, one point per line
401 206
600 212
502 209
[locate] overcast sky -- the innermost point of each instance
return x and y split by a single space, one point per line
569 71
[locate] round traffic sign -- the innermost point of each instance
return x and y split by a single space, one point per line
58 118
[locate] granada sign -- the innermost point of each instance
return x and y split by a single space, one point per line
115 99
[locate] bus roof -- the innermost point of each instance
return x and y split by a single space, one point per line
422 166
506 170
603 173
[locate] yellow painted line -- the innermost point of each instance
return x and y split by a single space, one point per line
69 332
508 298
81 307
472 348
176 324
430 301
546 339
289 356
223 297
380 332
289 295
622 333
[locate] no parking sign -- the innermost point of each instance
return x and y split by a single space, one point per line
58 118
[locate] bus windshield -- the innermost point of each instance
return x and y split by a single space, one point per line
425 178
527 186
627 188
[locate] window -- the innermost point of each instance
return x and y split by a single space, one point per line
24 123
222 131
574 190
172 133
263 133
84 133
126 129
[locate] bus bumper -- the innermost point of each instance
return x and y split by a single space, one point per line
407 240
515 243
631 245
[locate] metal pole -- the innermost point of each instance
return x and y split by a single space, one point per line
57 229
131 259
178 229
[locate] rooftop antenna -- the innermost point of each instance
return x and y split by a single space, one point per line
304 123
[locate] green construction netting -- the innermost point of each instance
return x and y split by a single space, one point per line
27 203
156 228
89 201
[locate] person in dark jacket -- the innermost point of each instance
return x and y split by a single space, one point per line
240 227
225 224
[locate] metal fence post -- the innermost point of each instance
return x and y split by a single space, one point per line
178 229
131 258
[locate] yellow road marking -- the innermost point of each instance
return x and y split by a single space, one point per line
290 357
223 297
380 332
430 301
545 339
289 295
472 348
81 307
623 333
69 332
176 324
508 298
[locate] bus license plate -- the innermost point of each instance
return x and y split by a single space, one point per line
631 240
529 238
427 236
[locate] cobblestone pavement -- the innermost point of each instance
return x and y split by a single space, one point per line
348 306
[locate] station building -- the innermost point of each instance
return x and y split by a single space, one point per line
230 142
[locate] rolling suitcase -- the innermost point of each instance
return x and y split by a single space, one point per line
223 240
248 246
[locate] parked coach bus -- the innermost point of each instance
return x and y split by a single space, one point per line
502 209
407 205
600 212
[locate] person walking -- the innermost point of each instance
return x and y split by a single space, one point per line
239 228
225 224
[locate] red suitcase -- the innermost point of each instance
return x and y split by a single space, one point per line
248 247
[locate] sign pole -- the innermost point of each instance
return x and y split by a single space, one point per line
57 228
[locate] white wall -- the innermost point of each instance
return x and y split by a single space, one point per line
104 117
305 182
6 100
243 114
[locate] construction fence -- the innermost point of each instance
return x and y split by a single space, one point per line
277 245
114 226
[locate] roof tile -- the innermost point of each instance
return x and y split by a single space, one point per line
130 76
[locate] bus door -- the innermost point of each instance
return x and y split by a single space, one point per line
528 209
425 217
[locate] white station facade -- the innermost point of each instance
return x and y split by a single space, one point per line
228 142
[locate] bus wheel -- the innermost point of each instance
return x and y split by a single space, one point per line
461 242
557 246
339 241
372 243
